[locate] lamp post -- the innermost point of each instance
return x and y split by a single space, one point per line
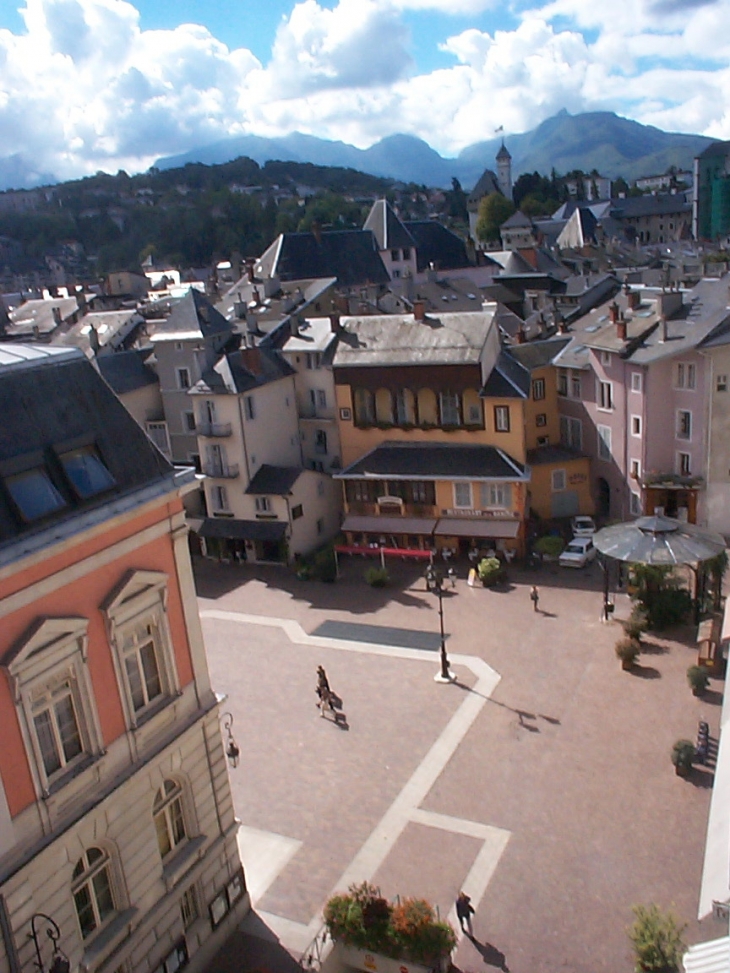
233 751
435 584
59 960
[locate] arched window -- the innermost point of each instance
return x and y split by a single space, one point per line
169 817
92 890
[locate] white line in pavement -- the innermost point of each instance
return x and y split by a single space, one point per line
406 807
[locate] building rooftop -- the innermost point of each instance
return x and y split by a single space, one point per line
126 371
435 461
387 227
242 371
193 316
274 480
349 255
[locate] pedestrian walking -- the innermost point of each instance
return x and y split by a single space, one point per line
464 912
323 682
534 596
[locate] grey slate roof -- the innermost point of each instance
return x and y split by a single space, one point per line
194 313
55 402
509 379
437 245
274 480
349 255
435 461
650 205
486 185
552 454
242 371
387 228
516 220
537 354
126 371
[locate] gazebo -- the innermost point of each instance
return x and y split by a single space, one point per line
659 541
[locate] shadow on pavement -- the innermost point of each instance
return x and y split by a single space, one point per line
253 948
645 672
490 954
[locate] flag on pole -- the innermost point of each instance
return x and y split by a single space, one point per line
500 129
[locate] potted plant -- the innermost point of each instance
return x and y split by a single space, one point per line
636 624
683 755
490 571
657 940
698 679
377 577
627 650
550 546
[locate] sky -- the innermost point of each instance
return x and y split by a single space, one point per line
88 85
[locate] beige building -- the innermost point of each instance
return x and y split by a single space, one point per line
717 473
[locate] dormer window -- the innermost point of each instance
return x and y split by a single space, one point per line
86 472
34 494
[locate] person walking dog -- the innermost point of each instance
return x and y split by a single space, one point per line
464 912
535 597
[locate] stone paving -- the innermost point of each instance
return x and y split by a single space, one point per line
540 782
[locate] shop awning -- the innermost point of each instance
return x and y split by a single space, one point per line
453 527
390 525
244 530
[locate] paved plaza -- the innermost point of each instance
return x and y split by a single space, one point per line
540 782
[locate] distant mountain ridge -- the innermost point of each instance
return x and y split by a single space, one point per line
604 141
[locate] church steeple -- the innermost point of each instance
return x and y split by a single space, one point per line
504 171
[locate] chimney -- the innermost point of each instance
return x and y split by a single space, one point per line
94 340
251 358
317 231
256 296
562 326
419 311
521 337
335 325
621 328
249 269
613 313
663 329
634 300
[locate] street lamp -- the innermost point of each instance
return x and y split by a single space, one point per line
233 751
435 584
59 960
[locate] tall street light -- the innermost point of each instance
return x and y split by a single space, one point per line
435 584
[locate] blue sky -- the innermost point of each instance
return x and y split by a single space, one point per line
107 84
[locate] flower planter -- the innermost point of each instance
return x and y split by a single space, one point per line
368 962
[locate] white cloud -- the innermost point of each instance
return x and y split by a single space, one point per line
85 88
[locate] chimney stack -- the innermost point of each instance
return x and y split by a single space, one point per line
419 311
335 325
249 269
663 329
521 337
621 328
613 313
634 300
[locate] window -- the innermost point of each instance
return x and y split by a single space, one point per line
346 415
684 424
142 647
86 472
188 421
189 907
320 525
462 495
175 959
606 359
685 375
558 480
395 254
571 432
263 504
92 890
501 418
320 442
34 494
562 381
219 498
496 495
157 431
358 491
52 691
575 385
635 505
604 395
684 464
313 359
635 469
403 408
636 425
450 413
541 419
721 383
422 492
406 253
183 378
249 407
297 512
364 407
604 442
475 415
538 389
169 818
321 398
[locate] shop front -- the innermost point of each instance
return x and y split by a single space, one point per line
237 541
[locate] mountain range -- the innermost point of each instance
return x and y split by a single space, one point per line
604 141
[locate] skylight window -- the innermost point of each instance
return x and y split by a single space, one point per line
87 473
34 494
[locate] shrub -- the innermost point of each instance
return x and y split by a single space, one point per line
637 623
406 931
489 570
550 546
325 565
660 595
698 679
683 755
657 940
627 650
377 577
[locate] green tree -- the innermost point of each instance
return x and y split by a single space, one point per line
493 211
657 940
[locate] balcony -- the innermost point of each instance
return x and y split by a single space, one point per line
213 430
221 471
392 510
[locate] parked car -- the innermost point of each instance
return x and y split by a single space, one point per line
583 526
578 553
